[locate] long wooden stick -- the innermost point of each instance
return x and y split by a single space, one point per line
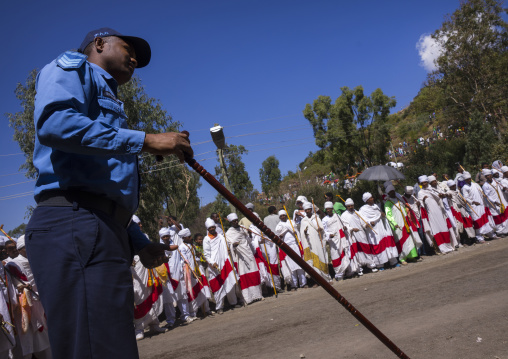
270 268
294 256
2 229
186 262
293 228
319 229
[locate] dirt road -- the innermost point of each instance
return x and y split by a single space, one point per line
452 306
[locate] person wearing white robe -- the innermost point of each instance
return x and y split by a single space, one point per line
35 340
408 242
218 225
291 271
336 235
434 216
169 299
483 222
299 212
379 233
438 187
221 276
247 269
460 211
196 286
311 237
148 299
256 243
361 248
496 203
8 299
504 181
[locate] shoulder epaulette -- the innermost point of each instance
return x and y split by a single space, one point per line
71 60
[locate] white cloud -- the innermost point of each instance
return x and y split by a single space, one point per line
429 50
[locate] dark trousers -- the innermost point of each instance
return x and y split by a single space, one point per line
81 263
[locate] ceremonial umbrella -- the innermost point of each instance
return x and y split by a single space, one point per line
381 173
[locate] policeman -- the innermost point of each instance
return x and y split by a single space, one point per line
80 239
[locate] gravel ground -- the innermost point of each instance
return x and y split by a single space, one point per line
451 306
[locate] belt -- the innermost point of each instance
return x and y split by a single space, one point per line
76 199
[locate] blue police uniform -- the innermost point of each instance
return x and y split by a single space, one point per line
80 240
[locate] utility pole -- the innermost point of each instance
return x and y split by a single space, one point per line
220 141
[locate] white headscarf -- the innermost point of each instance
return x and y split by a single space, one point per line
232 216
184 233
136 219
504 169
349 202
366 196
389 188
249 205
210 223
409 190
450 183
282 212
307 205
486 172
302 199
431 178
328 205
387 183
423 178
21 242
164 231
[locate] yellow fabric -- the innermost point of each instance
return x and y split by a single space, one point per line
316 262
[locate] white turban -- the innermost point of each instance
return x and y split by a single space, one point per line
249 205
21 242
497 164
232 216
164 232
3 239
307 205
423 178
302 199
184 233
486 172
431 178
409 190
387 183
494 171
504 169
328 205
210 223
366 196
349 202
466 175
136 219
282 212
389 188
450 183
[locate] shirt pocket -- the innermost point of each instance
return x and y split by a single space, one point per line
112 112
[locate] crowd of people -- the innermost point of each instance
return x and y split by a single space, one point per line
226 269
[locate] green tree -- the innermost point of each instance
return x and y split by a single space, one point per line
18 231
471 69
165 187
239 179
270 175
353 128
480 140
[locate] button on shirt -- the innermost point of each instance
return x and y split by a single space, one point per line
82 141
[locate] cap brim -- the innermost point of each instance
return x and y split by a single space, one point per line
141 47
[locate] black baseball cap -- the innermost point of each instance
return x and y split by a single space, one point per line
142 48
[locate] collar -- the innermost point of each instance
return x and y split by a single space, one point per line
109 79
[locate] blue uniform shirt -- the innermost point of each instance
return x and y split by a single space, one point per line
82 141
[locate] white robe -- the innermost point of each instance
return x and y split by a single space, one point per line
258 249
435 219
494 193
361 248
196 290
482 219
288 265
249 277
221 281
148 300
340 251
314 252
460 211
8 297
383 243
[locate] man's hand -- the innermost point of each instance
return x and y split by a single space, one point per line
168 143
476 203
153 255
372 224
332 235
355 230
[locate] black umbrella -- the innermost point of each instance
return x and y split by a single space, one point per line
381 173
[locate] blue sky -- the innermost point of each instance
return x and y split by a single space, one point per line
250 66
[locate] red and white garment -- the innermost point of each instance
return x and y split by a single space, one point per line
383 244
314 253
340 250
463 218
494 193
435 220
406 236
8 299
221 280
196 290
256 246
148 303
361 248
247 269
483 222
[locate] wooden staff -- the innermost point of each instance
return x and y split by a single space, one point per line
294 256
293 228
318 228
358 214
186 262
231 259
270 268
467 203
2 229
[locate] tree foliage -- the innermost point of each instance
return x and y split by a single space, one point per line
270 175
354 127
471 70
165 187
